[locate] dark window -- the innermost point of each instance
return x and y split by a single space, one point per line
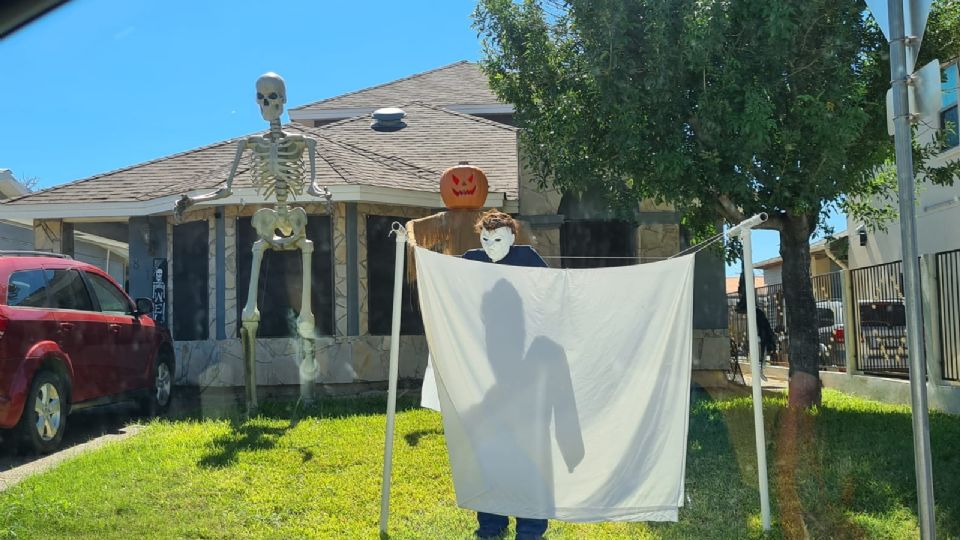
110 298
280 284
67 290
604 243
27 288
950 120
191 274
381 259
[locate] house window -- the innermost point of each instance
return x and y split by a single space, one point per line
190 278
381 259
948 113
597 244
280 284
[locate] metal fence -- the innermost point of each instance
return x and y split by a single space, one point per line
828 292
770 303
879 329
948 270
880 325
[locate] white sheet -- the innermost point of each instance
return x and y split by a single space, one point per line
565 393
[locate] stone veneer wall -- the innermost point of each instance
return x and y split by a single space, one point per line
341 358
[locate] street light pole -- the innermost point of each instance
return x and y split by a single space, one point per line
903 138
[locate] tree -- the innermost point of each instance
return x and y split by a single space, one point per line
724 108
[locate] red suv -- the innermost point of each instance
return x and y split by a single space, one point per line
70 338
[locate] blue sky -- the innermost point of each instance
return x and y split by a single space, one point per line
102 84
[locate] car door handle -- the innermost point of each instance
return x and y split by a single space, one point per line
66 327
115 328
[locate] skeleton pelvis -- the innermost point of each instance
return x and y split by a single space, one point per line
290 225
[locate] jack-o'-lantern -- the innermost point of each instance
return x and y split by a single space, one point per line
463 187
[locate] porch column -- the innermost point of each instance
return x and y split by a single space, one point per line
53 235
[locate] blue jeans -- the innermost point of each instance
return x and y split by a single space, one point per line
493 525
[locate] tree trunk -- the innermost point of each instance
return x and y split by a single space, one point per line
801 308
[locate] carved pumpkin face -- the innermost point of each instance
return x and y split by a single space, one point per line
463 187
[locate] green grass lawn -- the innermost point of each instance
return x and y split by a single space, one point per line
319 477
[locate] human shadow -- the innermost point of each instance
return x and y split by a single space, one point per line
509 430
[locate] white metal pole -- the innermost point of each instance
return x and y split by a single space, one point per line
744 231
903 142
401 237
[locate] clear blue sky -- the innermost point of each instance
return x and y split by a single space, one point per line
102 84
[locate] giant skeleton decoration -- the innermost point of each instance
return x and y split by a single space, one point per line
277 170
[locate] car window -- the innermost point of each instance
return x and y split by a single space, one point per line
27 288
825 317
110 298
883 314
67 290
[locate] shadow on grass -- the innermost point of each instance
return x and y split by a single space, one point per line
256 434
844 470
246 437
413 438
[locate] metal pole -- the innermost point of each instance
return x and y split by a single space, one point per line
755 379
744 231
911 270
401 235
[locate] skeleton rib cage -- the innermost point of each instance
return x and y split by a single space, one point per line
277 167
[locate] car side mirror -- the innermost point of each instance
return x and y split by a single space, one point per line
144 306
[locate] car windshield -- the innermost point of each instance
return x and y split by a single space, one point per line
883 314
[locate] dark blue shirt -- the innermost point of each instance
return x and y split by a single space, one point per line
517 256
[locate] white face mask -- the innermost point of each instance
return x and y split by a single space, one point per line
496 243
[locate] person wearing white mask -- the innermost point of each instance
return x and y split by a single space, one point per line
498 231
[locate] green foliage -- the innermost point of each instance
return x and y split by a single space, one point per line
319 477
723 108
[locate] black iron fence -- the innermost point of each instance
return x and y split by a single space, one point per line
770 301
880 320
948 271
879 329
831 337
771 324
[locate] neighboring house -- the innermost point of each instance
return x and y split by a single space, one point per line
376 178
938 207
733 283
820 262
18 235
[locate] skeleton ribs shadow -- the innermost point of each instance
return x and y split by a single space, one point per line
278 171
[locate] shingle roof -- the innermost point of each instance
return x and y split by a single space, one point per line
462 83
435 139
348 152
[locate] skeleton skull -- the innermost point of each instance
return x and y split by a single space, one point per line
271 96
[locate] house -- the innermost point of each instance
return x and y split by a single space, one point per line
201 265
938 208
110 254
822 261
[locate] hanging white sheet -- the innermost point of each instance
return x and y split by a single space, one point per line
565 393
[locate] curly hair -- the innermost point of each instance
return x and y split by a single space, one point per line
494 219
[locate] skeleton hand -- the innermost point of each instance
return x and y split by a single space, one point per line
183 203
312 190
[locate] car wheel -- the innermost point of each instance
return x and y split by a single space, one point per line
44 417
161 387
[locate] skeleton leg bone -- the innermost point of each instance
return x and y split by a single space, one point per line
250 322
305 327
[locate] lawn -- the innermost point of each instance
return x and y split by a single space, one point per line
319 477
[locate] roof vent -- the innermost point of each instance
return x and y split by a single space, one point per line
388 119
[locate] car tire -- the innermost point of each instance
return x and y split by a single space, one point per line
160 395
44 418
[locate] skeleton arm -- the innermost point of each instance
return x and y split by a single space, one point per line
312 188
185 201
